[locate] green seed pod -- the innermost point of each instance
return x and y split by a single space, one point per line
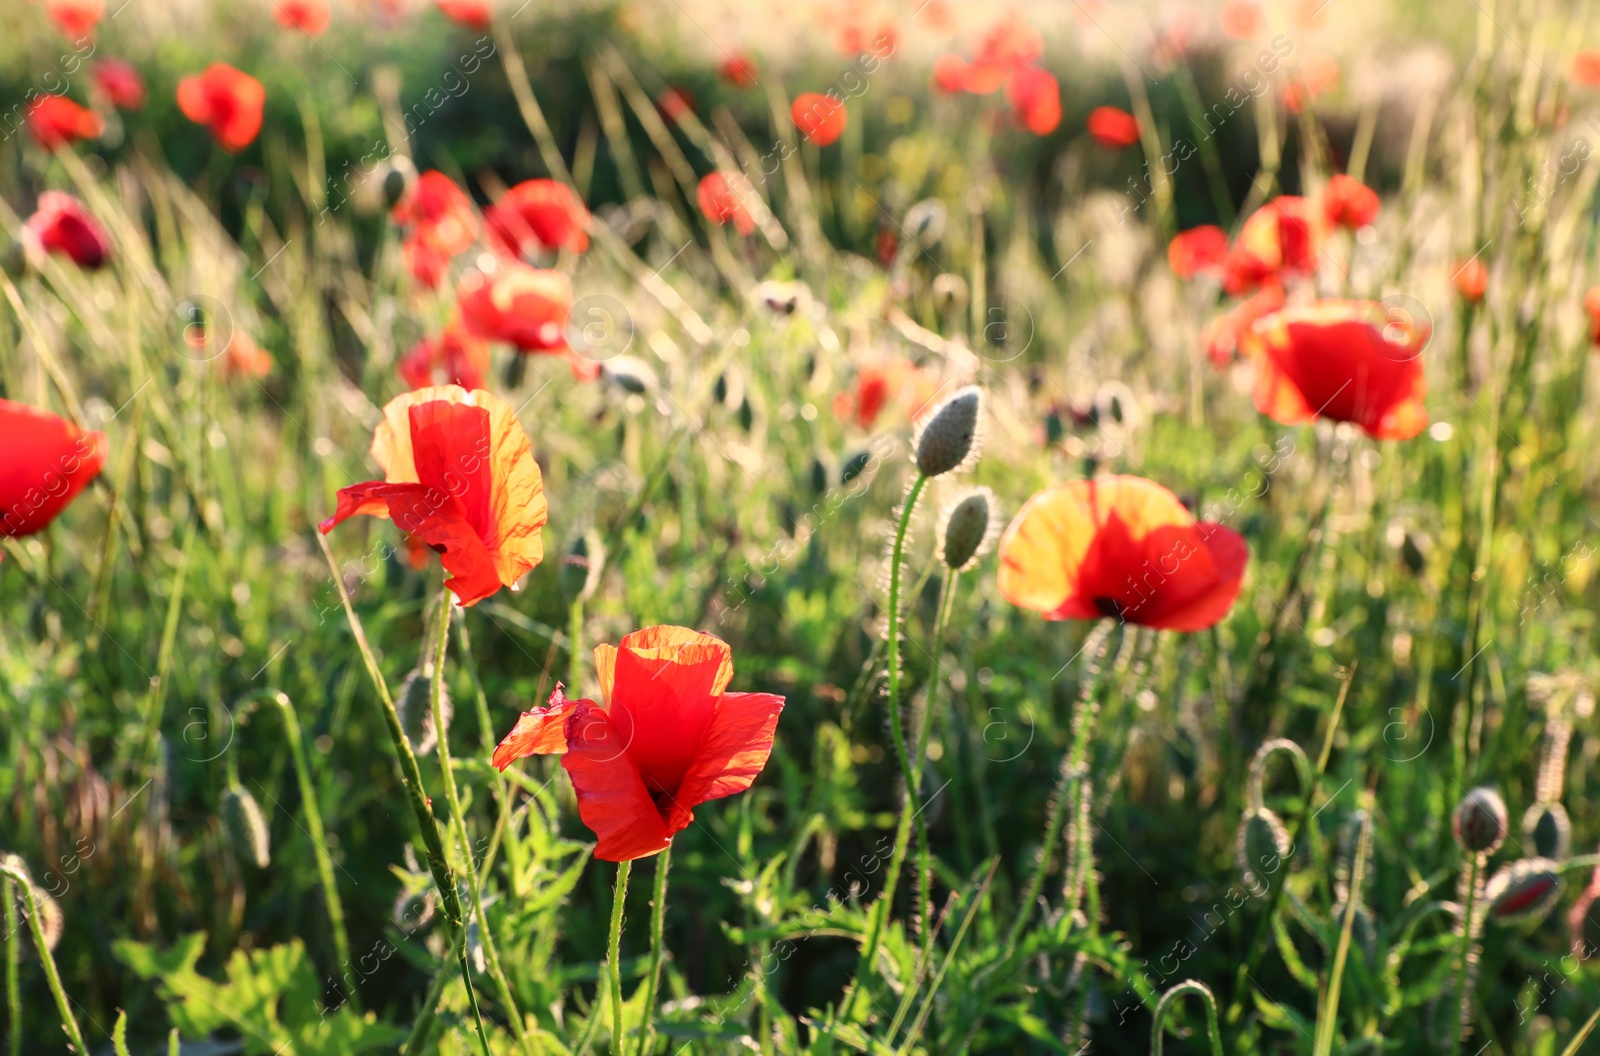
1260 846
819 476
247 826
414 702
13 259
398 180
1523 891
581 569
949 437
854 466
1480 821
966 529
1548 828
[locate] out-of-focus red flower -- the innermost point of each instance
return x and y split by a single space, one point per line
722 197
227 101
459 473
887 245
438 214
1586 67
950 73
856 37
879 383
1008 43
1224 336
474 14
308 16
1278 241
1347 202
538 216
1471 279
1035 99
739 70
55 121
1112 128
77 18
1242 19
62 225
1198 249
667 739
1318 74
818 117
454 357
1347 361
48 461
1591 305
243 358
675 103
1124 548
426 263
121 83
524 306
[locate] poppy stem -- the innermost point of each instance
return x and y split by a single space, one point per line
13 964
614 954
1466 937
47 960
947 591
658 913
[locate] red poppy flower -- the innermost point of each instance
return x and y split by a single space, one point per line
1347 202
1472 280
1004 46
1122 547
454 357
675 103
56 121
426 264
1317 75
1347 361
48 462
243 358
739 70
1279 240
439 214
1591 305
459 473
121 83
474 14
667 739
950 73
1224 336
878 384
1112 128
1242 19
1035 99
722 199
62 225
1198 249
76 17
227 101
819 118
887 245
1586 67
527 307
538 216
308 16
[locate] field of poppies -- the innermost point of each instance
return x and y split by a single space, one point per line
894 527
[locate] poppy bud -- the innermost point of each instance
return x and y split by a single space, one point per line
247 827
13 259
415 706
1411 554
1523 891
1363 929
585 561
965 529
925 222
819 476
854 466
950 290
413 909
746 415
948 437
1547 827
51 920
1261 845
629 374
398 180
1480 821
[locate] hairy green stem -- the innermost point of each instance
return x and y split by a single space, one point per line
1168 999
13 967
575 647
614 954
1464 943
658 914
947 591
46 958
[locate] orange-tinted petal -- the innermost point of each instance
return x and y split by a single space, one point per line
541 731
434 517
612 798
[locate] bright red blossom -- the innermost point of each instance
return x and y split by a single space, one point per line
308 16
48 462
1347 202
1224 336
1035 99
454 357
121 83
62 225
76 17
1122 547
1112 128
527 307
243 358
1471 280
538 216
819 118
667 738
55 121
1586 67
1197 250
722 197
1347 361
438 214
460 475
1591 305
474 14
1278 241
227 101
739 70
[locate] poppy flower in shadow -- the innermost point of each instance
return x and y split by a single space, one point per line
819 118
55 121
121 83
1346 361
62 225
227 101
459 474
1120 547
526 307
667 738
48 462
739 70
721 198
1112 128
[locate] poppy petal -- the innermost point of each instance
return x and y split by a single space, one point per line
612 798
435 517
49 460
1229 554
666 683
541 731
731 755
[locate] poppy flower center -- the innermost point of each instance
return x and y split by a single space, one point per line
1109 606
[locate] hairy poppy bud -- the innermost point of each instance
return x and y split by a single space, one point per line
1523 891
819 476
854 466
580 572
51 919
1480 821
1547 827
1260 846
948 437
13 258
629 374
398 180
966 529
1584 923
247 827
414 702
1363 930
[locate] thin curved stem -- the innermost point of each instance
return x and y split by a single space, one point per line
47 960
658 913
575 648
1469 911
614 954
947 591
13 965
1168 999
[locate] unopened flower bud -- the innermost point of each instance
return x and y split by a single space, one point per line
966 529
1260 846
414 703
398 180
580 571
13 258
948 437
1480 821
246 826
1548 828
1523 891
